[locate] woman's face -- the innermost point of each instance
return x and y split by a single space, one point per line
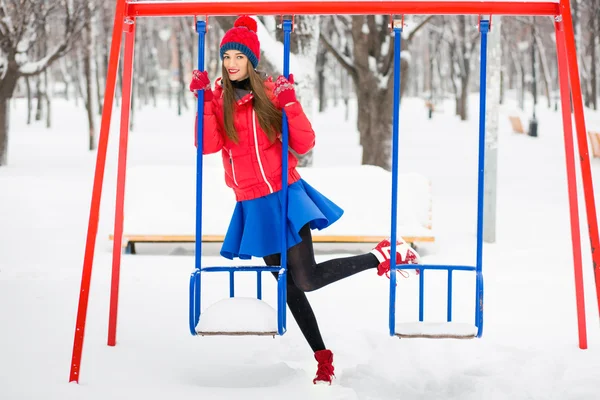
236 64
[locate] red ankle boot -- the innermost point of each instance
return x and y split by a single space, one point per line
404 255
325 368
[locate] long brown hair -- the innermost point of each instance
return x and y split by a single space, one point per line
269 117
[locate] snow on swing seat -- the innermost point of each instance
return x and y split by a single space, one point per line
436 330
238 316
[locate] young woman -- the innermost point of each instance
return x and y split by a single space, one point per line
243 120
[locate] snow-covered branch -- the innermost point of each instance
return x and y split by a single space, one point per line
32 68
342 59
418 27
74 21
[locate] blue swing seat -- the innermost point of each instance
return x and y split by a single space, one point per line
239 316
447 329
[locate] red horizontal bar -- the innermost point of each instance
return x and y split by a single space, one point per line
156 8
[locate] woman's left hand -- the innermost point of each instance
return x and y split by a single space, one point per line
284 90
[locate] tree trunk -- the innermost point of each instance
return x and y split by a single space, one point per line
543 60
374 102
593 72
87 71
522 84
463 103
170 67
193 52
345 89
29 100
375 126
22 33
442 78
134 85
98 79
321 79
465 70
454 61
4 118
181 103
142 41
77 74
104 44
134 89
47 100
38 99
118 91
502 74
7 88
432 49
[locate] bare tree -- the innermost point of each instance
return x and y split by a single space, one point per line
371 66
590 16
463 42
84 70
19 23
88 54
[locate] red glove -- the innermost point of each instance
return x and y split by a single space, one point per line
284 90
200 81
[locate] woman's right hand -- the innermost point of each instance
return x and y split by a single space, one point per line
200 81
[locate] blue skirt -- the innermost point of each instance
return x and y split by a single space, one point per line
255 227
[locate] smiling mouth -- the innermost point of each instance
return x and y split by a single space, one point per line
233 71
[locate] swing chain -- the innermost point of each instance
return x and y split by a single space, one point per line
396 22
284 17
485 17
128 24
196 22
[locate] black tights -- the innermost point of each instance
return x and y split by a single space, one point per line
305 275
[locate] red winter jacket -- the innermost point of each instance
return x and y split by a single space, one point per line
253 165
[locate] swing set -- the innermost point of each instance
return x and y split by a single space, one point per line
128 11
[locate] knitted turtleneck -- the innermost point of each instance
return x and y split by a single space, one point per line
243 84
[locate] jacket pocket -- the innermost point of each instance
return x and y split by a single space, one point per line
232 164
243 168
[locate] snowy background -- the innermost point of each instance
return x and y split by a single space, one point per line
529 349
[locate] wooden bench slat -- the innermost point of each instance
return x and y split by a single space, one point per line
516 124
595 140
219 239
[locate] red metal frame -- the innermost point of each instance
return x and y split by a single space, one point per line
174 9
129 30
90 244
569 84
565 96
584 155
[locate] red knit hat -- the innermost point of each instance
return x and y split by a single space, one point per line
242 37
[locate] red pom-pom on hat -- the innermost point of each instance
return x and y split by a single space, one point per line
247 22
243 38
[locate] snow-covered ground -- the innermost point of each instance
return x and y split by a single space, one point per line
529 349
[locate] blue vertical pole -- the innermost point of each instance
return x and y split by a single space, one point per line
259 285
484 27
193 320
421 295
287 29
201 29
449 298
395 127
